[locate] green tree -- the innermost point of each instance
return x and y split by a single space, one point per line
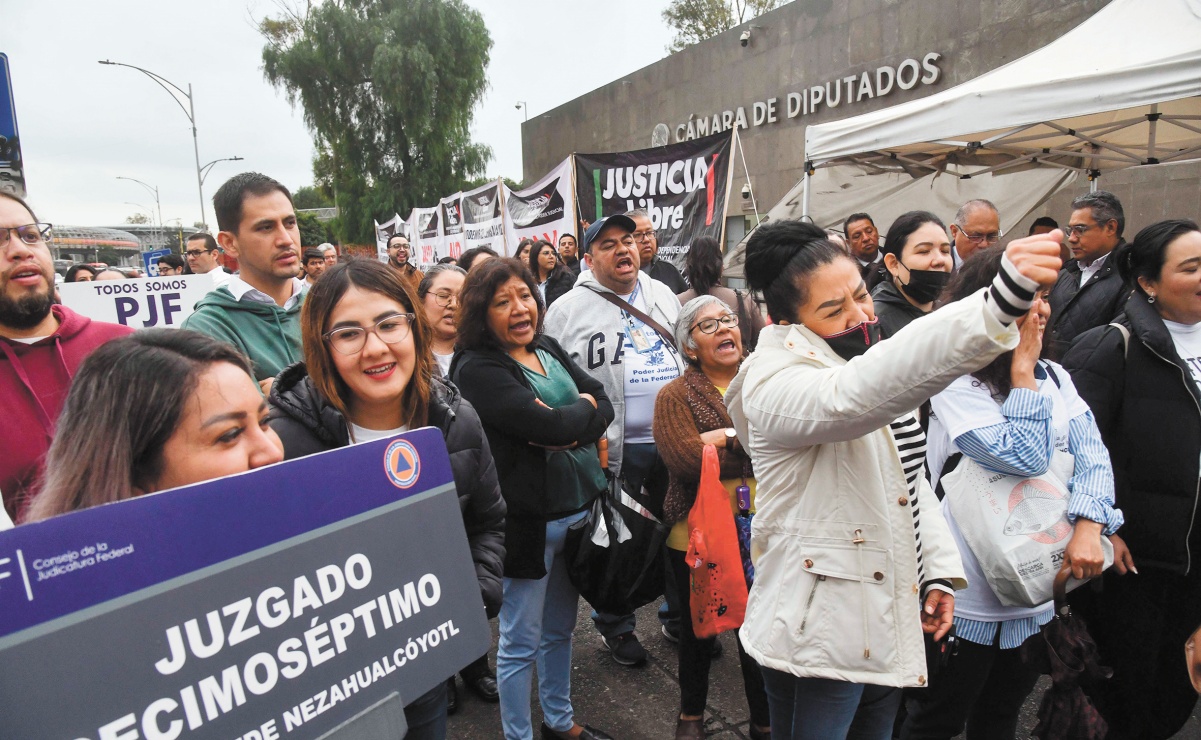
388 88
137 218
312 231
308 196
697 20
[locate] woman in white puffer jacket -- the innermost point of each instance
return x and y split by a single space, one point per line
853 562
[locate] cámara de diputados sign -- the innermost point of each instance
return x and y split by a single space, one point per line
835 93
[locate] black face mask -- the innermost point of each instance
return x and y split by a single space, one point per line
924 285
855 341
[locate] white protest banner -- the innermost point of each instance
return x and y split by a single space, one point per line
452 228
483 218
139 303
543 211
425 234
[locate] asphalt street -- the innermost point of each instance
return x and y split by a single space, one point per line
642 703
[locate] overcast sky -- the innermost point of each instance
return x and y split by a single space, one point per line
83 124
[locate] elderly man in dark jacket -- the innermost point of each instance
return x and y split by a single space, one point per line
1089 291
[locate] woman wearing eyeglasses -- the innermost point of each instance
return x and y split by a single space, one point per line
439 295
690 413
368 374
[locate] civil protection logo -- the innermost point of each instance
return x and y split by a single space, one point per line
402 463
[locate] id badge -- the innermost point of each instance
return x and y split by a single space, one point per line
637 337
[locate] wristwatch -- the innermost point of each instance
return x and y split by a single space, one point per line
731 438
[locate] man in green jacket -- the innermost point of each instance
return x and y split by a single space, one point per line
258 310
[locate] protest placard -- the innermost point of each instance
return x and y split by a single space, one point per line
283 602
483 218
141 302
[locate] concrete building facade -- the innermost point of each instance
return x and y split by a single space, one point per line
812 61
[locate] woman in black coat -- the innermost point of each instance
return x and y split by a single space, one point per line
553 277
543 416
368 374
1140 377
917 255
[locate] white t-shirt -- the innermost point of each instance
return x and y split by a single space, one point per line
444 362
28 340
965 405
359 434
645 374
1187 338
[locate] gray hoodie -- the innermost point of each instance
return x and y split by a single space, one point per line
592 331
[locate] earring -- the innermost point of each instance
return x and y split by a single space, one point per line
1151 298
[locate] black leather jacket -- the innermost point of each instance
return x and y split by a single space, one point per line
308 424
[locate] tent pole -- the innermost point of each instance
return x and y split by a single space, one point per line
805 194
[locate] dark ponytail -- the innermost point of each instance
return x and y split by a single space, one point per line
1145 256
780 256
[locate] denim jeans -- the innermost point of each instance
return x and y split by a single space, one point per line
825 709
536 622
426 715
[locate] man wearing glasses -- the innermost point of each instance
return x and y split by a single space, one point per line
648 250
201 251
43 344
1089 291
977 225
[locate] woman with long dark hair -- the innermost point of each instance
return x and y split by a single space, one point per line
917 255
368 374
543 416
1140 376
137 420
1009 417
849 570
553 278
702 268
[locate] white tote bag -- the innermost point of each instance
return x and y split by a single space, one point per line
1016 527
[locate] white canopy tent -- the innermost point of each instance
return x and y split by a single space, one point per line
1121 89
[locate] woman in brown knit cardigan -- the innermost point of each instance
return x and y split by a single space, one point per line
690 414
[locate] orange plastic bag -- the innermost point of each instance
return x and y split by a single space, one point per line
718 586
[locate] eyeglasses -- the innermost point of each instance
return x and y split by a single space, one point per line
444 297
643 236
710 326
1077 229
350 340
198 252
30 234
991 238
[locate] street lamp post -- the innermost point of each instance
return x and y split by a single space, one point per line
157 204
190 112
204 171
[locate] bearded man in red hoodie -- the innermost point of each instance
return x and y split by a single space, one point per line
41 345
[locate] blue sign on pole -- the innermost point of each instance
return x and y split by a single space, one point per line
326 592
12 168
150 260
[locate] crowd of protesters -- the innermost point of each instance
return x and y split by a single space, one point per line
838 390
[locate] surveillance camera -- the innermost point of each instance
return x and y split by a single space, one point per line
745 38
518 106
746 191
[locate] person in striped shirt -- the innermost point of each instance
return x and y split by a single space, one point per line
1009 417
